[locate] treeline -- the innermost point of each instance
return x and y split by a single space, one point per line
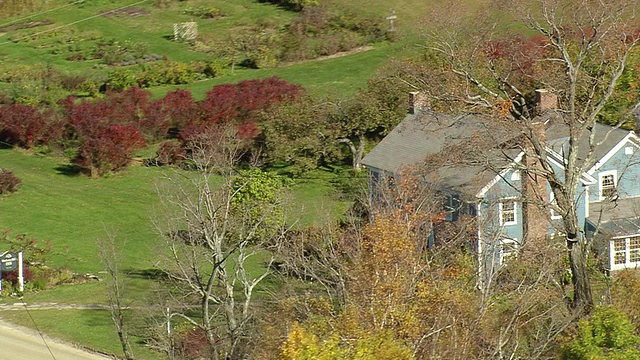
101 135
278 122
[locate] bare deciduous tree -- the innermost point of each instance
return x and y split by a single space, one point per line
582 52
214 247
110 251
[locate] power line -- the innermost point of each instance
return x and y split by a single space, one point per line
40 13
73 23
38 329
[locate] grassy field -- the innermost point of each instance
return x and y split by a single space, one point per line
80 27
336 76
74 211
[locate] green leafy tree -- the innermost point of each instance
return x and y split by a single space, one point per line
607 335
311 132
257 190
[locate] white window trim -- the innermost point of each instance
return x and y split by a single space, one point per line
552 202
603 174
627 254
628 150
515 175
515 244
515 212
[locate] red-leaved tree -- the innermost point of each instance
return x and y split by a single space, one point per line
172 113
24 126
109 149
240 103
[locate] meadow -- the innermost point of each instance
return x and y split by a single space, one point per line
73 211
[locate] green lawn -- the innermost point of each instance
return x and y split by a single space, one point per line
338 76
154 28
72 211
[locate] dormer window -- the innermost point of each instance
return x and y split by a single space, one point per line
507 210
608 182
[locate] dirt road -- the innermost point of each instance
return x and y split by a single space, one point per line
24 344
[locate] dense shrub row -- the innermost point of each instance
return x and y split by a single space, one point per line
101 135
315 31
40 85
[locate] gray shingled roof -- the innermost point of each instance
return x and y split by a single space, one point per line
619 217
426 134
605 136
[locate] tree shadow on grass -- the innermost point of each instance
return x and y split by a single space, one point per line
148 274
69 170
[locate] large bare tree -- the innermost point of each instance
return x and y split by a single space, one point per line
111 250
217 247
579 51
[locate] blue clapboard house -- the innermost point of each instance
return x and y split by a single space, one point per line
479 175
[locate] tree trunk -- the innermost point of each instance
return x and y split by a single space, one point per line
356 153
126 348
582 299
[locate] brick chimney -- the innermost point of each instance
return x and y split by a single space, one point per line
545 100
418 101
535 211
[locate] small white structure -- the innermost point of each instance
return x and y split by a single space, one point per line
185 31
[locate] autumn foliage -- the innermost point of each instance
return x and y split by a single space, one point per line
26 126
8 182
104 133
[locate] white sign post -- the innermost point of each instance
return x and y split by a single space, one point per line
9 261
20 272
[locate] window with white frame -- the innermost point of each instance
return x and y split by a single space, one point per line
625 252
608 182
508 212
508 250
552 203
452 207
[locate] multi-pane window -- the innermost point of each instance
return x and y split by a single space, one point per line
634 249
508 250
452 207
607 184
507 210
625 252
619 251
